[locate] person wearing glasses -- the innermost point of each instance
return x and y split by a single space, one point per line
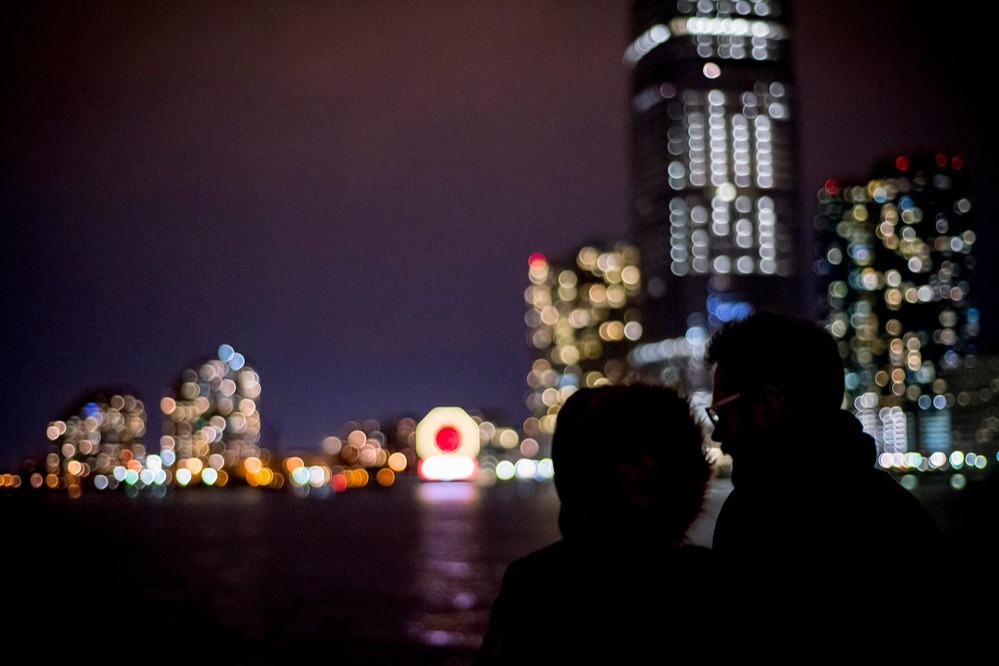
631 476
810 515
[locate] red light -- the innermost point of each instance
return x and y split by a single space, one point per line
831 187
941 160
448 439
537 260
902 163
957 163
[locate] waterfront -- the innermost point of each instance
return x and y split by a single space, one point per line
401 575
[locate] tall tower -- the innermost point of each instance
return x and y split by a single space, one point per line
715 203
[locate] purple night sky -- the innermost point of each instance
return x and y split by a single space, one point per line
347 192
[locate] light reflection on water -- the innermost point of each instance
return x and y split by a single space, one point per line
396 575
403 575
452 579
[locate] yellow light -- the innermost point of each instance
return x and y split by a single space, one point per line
397 462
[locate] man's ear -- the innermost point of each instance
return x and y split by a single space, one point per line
769 407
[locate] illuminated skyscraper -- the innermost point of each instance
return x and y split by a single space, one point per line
582 321
211 423
715 196
897 267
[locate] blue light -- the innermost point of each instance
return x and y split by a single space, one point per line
568 380
92 409
722 309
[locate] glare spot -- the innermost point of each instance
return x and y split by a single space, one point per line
397 462
546 469
722 264
505 470
525 469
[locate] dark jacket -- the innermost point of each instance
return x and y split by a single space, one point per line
842 534
569 603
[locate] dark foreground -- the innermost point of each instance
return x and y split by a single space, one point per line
397 576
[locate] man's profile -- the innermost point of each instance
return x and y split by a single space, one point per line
810 515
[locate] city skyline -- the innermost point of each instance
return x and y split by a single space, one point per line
350 196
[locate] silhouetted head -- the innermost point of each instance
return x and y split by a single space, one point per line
629 464
774 374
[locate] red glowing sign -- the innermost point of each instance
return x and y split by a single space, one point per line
447 439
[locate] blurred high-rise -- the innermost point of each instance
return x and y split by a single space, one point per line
99 442
897 266
212 423
715 204
582 321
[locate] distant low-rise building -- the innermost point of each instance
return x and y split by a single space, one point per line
212 421
99 444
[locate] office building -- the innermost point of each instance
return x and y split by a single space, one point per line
715 210
212 420
582 320
897 272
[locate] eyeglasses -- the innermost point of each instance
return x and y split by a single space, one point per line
712 410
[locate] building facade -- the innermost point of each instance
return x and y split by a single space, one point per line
715 203
581 322
100 444
896 267
211 422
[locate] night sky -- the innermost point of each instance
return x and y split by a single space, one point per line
347 192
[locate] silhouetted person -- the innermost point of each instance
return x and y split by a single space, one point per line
812 529
631 477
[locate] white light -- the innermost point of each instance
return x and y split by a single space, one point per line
648 40
726 192
449 468
505 470
526 468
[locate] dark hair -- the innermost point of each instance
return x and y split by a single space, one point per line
599 427
796 356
